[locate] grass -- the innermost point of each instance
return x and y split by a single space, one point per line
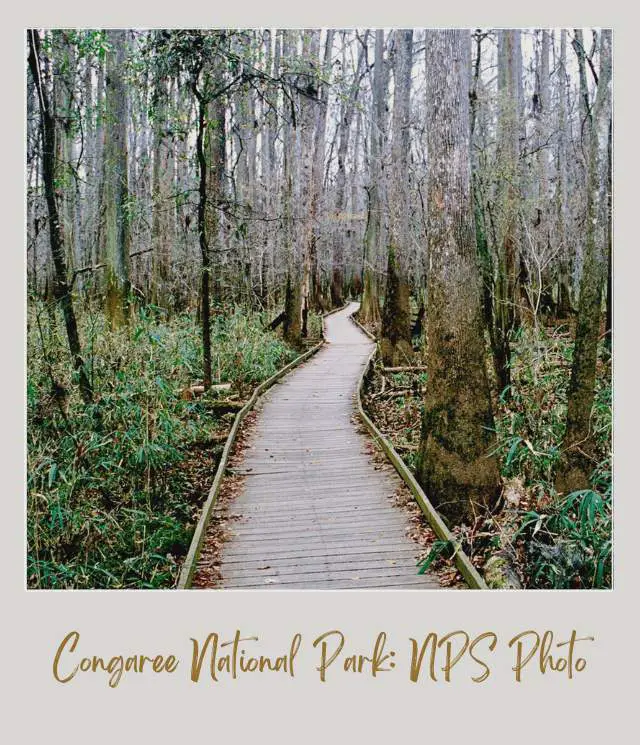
114 489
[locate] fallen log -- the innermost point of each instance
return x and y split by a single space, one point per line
397 392
225 405
211 441
406 448
192 391
276 322
419 368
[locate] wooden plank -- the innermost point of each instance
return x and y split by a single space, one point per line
287 561
269 570
383 574
318 529
319 550
336 516
249 527
408 581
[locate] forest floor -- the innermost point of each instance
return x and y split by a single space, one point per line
548 541
114 489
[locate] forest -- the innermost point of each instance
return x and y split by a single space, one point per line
197 202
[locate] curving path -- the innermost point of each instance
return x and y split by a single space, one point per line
315 512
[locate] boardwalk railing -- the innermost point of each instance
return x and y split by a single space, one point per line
190 563
462 561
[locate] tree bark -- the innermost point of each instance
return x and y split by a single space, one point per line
317 300
292 325
507 251
64 116
215 147
307 88
370 308
454 462
163 224
347 110
395 344
578 444
609 240
563 299
541 290
62 289
115 234
203 240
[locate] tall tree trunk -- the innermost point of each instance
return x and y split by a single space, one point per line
541 297
292 324
370 309
163 223
563 300
215 146
395 343
485 256
64 114
609 240
96 224
578 444
317 300
307 93
116 234
454 464
62 289
268 163
508 202
347 109
88 193
244 146
203 236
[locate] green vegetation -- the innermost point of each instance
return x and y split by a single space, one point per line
564 541
551 540
114 488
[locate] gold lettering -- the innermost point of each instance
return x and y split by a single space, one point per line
56 660
324 661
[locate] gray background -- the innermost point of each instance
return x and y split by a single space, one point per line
597 704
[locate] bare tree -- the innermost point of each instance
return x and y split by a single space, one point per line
370 308
395 345
163 228
577 462
49 149
115 231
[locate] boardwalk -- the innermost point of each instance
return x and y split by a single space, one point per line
315 512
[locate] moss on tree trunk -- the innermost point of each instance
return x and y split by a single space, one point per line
292 323
395 344
455 465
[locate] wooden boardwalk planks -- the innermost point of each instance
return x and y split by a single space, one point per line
314 511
